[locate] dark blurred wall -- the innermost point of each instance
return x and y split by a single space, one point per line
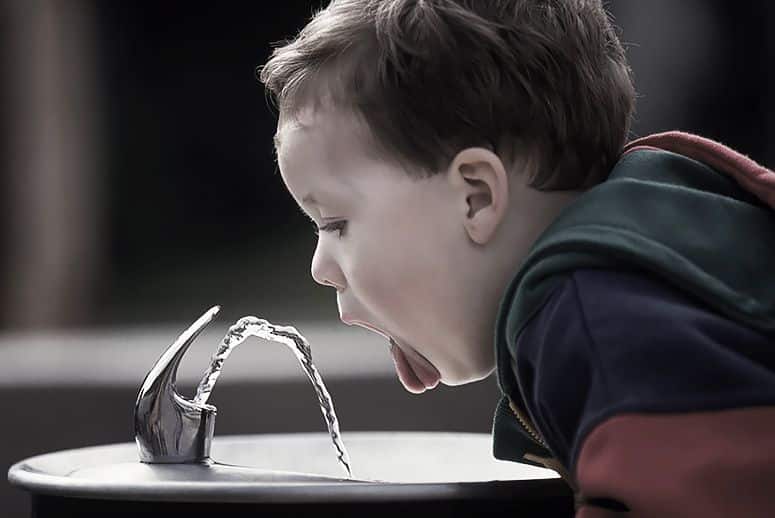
194 211
702 66
191 132
194 185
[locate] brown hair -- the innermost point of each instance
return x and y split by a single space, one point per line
431 77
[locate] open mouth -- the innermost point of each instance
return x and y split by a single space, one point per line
416 373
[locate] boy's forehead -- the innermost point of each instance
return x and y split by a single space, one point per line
316 151
321 121
286 124
310 116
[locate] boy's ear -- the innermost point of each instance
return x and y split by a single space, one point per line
480 178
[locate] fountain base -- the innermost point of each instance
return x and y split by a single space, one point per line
412 473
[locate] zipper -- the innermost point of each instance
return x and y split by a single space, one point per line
548 462
526 424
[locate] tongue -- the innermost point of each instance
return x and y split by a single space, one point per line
408 375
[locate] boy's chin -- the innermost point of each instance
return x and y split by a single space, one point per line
463 379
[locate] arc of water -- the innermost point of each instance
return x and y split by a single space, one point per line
290 336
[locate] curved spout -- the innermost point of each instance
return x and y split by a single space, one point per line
168 427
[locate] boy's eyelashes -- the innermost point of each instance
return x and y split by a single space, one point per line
334 226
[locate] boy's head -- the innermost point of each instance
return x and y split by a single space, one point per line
437 139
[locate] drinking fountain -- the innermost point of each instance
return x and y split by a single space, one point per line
176 467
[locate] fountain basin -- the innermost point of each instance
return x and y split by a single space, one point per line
414 473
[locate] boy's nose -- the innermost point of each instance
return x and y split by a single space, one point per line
326 271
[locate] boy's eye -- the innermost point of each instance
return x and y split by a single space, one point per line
335 226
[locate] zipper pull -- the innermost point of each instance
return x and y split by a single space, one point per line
554 465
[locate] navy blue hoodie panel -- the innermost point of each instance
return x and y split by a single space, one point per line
610 342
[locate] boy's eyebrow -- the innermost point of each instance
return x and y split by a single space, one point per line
304 211
308 201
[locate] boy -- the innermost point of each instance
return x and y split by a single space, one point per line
464 163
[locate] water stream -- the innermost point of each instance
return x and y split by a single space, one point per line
288 335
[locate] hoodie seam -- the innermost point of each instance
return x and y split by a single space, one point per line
595 358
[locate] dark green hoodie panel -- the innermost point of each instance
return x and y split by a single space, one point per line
658 212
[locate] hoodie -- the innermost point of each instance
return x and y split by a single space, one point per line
635 346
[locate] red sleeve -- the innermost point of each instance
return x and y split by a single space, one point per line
698 464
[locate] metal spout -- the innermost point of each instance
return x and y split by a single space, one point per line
168 427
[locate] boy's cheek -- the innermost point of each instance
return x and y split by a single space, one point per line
387 299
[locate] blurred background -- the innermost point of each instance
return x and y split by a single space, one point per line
138 187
